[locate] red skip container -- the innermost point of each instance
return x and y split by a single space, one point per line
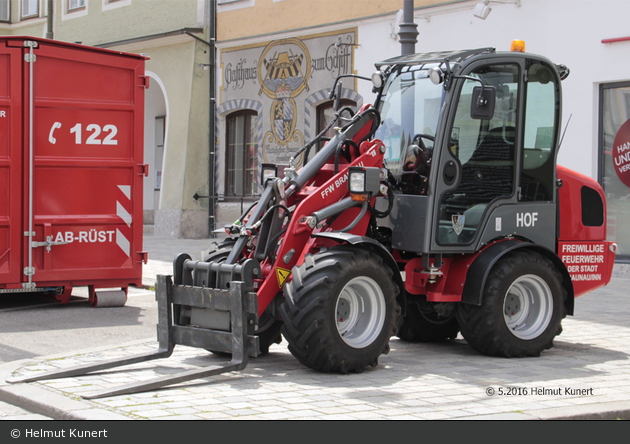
71 162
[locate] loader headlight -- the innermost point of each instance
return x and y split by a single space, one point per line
377 80
436 75
363 181
268 170
356 181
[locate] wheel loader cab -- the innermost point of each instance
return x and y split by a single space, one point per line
468 147
504 164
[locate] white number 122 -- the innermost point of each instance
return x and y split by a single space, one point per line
96 131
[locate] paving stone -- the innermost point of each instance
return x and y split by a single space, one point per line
414 381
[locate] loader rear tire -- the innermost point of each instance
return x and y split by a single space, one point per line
340 310
424 324
522 308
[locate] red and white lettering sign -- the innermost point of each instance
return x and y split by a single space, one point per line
588 263
583 261
621 153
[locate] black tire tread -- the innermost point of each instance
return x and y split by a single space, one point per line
312 336
483 328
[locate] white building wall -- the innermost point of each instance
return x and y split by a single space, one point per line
566 31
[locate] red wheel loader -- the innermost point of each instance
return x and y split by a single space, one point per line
436 211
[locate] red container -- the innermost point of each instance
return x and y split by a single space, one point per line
71 160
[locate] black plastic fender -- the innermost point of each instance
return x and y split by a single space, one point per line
376 247
486 259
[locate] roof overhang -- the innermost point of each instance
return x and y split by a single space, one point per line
164 38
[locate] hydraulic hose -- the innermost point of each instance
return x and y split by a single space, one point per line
390 203
364 209
309 171
319 137
270 211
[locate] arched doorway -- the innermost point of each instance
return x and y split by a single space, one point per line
155 136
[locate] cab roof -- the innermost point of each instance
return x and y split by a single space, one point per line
458 56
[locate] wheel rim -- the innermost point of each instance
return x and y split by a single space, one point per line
528 307
360 312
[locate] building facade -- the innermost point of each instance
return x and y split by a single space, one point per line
588 36
174 35
276 61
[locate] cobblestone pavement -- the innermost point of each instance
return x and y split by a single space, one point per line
585 376
10 412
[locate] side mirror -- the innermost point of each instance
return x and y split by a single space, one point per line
483 102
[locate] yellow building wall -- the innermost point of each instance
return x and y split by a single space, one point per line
269 16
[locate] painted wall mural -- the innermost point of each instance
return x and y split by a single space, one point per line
280 80
284 79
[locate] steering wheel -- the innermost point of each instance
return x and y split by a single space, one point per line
417 139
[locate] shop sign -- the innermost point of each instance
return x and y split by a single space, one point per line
621 153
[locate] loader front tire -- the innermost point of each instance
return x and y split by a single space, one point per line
340 310
522 308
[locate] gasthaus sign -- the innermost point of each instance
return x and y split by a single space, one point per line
283 82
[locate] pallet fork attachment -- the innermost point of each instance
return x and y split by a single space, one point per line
241 304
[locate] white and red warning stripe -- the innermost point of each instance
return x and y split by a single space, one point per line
123 210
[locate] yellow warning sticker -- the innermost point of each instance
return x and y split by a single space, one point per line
283 275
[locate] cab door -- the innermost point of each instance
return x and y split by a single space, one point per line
478 161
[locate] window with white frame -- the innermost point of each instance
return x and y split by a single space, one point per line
114 4
5 10
231 5
74 5
30 8
241 154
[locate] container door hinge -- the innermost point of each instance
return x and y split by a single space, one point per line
144 256
144 170
144 81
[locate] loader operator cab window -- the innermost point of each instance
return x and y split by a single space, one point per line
539 134
410 109
484 149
